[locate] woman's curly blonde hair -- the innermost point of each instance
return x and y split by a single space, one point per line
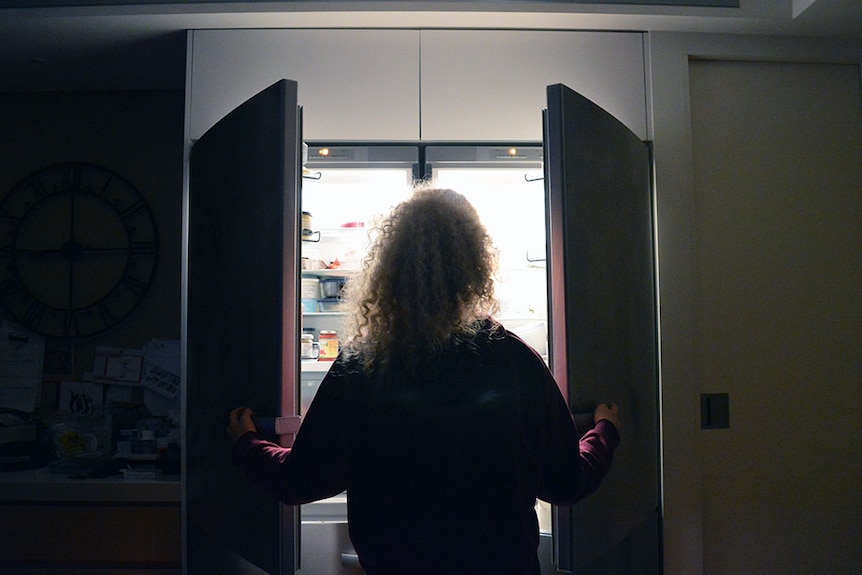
427 278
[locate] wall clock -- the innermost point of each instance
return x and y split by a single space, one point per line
78 250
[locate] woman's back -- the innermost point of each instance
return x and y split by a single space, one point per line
444 469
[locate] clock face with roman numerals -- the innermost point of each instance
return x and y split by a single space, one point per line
78 250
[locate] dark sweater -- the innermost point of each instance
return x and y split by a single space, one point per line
442 472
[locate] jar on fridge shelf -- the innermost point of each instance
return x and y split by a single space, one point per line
328 340
309 349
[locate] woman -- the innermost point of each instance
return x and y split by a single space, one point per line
442 426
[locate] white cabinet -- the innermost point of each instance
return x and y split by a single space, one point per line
364 85
489 85
353 84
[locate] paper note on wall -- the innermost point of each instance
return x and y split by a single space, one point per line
21 356
162 367
118 366
81 398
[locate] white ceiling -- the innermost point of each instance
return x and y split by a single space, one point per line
141 46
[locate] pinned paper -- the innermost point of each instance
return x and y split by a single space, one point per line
161 381
21 357
118 366
162 367
81 398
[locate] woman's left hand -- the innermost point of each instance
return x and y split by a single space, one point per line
241 422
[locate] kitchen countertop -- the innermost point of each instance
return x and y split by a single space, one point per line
42 486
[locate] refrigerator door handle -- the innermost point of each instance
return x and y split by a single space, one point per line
287 425
280 426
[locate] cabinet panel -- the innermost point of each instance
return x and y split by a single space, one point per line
353 84
92 535
490 85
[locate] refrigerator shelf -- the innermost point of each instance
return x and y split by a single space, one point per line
329 273
314 366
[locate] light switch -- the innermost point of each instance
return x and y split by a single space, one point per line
714 411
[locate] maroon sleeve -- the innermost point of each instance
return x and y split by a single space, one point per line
313 468
266 464
572 468
597 449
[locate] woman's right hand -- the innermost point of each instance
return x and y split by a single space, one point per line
241 422
609 411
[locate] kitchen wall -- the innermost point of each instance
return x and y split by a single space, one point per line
137 134
759 262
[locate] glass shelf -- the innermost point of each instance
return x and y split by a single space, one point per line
314 366
331 273
323 313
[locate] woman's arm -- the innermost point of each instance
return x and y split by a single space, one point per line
572 467
313 468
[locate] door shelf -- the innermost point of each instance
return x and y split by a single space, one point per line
351 231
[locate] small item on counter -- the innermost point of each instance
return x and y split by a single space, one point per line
127 441
147 442
74 443
141 473
328 345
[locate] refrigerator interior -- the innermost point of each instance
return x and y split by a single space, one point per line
346 190
505 186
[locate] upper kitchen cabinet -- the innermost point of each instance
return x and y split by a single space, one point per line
490 85
353 84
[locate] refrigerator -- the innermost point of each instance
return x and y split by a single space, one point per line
346 189
270 221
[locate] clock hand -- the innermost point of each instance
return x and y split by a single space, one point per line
41 252
72 250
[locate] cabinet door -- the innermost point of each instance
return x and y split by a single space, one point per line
488 85
99 537
241 325
604 339
354 84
